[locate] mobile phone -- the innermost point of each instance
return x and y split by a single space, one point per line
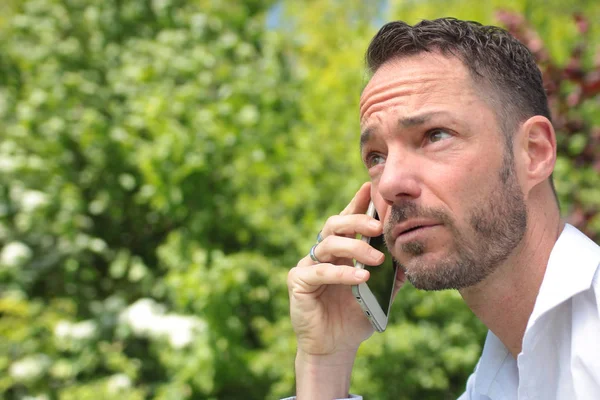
375 295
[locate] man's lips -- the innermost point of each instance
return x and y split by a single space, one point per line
406 230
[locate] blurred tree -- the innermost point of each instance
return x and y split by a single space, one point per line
573 93
136 134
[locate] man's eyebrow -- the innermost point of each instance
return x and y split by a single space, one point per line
365 136
410 122
404 123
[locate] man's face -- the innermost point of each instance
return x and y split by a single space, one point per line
442 179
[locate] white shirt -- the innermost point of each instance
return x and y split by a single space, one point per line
560 357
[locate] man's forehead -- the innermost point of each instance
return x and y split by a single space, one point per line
422 74
426 63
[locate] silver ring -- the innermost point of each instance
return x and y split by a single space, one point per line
312 255
319 237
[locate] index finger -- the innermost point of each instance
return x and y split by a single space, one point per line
360 202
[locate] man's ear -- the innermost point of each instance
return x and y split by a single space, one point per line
538 148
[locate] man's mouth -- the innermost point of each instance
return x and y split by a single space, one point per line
410 229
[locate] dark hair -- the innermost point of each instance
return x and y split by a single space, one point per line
496 60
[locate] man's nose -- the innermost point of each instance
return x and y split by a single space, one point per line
400 179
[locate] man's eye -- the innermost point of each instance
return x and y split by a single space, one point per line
374 159
438 134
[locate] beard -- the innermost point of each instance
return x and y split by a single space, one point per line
495 226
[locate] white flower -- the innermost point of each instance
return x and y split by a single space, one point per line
40 397
127 181
83 330
29 368
248 115
179 329
62 330
15 254
32 200
146 318
8 163
160 5
142 316
118 382
97 245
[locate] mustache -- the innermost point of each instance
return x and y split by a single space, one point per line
406 210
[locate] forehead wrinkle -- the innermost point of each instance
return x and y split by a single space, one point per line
408 72
398 98
375 90
402 75
396 92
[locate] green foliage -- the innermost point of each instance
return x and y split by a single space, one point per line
573 90
428 351
164 162
128 125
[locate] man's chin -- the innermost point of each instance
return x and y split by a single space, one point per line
417 254
430 271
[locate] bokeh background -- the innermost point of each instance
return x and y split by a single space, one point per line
163 163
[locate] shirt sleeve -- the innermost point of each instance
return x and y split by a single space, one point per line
352 396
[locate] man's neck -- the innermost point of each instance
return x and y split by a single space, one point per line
505 300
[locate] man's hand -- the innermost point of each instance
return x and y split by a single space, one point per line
327 319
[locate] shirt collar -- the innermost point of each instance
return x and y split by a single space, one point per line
573 262
494 356
571 267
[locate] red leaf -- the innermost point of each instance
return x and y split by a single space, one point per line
582 23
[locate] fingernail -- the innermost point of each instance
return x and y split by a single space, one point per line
360 273
376 255
374 224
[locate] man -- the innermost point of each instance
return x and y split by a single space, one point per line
457 139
